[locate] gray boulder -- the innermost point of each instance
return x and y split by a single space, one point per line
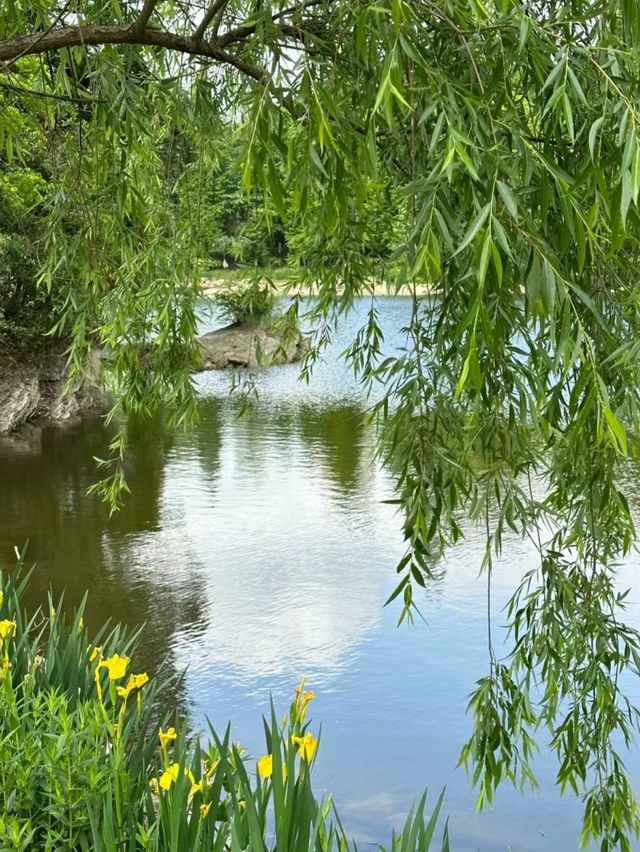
248 345
33 386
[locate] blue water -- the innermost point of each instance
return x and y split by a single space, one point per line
259 550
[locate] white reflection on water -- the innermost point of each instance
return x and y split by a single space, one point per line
292 576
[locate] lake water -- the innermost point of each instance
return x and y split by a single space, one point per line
258 550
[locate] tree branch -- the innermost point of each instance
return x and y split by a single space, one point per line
209 15
122 34
66 98
244 30
298 8
145 13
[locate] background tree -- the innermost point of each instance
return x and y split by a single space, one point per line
25 310
510 131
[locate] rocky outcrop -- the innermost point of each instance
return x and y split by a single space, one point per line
32 386
248 345
33 382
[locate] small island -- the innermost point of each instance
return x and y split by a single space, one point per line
255 336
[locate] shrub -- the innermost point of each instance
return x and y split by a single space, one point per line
86 764
252 303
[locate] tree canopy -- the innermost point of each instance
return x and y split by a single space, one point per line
507 132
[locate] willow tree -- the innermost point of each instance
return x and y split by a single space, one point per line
509 130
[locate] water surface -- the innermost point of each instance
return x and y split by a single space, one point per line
259 550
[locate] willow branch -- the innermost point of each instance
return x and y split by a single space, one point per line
51 95
212 11
145 14
57 39
299 33
300 7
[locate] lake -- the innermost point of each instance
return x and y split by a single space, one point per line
259 550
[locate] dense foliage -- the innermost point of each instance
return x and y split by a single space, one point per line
88 764
508 134
254 302
25 310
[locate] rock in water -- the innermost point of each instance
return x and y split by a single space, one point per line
248 345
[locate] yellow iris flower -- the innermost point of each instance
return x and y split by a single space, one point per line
301 701
204 810
169 776
307 746
116 666
265 767
7 629
166 736
134 682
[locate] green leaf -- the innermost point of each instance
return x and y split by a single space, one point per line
593 135
625 197
474 228
508 199
616 431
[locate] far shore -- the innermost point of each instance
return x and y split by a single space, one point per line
212 286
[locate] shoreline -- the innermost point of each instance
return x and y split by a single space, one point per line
211 287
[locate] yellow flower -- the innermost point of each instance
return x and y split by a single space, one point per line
307 746
7 629
1 598
134 682
169 776
116 666
302 700
154 786
195 788
166 736
204 810
265 767
96 652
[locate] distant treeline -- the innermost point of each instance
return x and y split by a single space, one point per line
231 224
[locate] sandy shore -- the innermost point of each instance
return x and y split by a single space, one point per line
212 286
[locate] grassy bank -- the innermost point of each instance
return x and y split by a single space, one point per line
89 762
